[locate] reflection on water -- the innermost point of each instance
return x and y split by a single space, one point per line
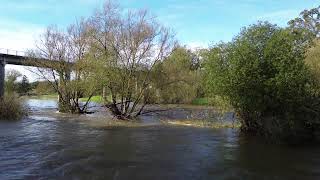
64 147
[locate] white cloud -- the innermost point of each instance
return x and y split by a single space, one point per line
18 36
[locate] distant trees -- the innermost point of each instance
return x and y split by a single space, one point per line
43 88
11 81
24 86
262 74
178 78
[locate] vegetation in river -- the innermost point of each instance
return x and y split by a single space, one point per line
128 54
111 49
12 108
263 75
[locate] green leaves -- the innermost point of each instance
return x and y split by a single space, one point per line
261 73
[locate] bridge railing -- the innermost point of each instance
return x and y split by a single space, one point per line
12 52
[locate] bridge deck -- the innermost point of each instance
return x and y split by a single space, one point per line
14 59
17 58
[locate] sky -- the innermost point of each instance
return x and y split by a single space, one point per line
196 23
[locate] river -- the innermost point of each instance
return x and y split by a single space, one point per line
48 145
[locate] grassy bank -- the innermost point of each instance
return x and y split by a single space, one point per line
46 96
95 99
201 102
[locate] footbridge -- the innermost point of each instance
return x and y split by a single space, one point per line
14 57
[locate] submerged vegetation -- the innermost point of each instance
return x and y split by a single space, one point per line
12 108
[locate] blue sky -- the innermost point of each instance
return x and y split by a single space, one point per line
197 23
194 21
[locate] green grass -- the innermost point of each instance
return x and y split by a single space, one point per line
50 96
96 99
47 96
197 102
201 101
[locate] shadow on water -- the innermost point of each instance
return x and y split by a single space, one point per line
57 146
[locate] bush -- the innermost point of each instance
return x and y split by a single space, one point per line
177 79
262 74
12 108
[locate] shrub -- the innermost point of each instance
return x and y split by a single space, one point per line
262 74
12 108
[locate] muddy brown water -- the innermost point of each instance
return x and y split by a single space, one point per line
47 145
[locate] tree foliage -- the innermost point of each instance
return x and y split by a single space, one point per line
127 46
11 81
113 49
24 86
309 21
177 79
65 66
262 74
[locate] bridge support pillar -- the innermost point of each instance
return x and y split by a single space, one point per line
2 75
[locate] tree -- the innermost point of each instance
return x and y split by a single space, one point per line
44 88
262 74
64 66
127 46
24 86
309 21
177 78
11 80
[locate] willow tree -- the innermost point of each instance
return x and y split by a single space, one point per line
127 45
63 64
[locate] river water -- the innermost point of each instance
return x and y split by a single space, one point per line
47 145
